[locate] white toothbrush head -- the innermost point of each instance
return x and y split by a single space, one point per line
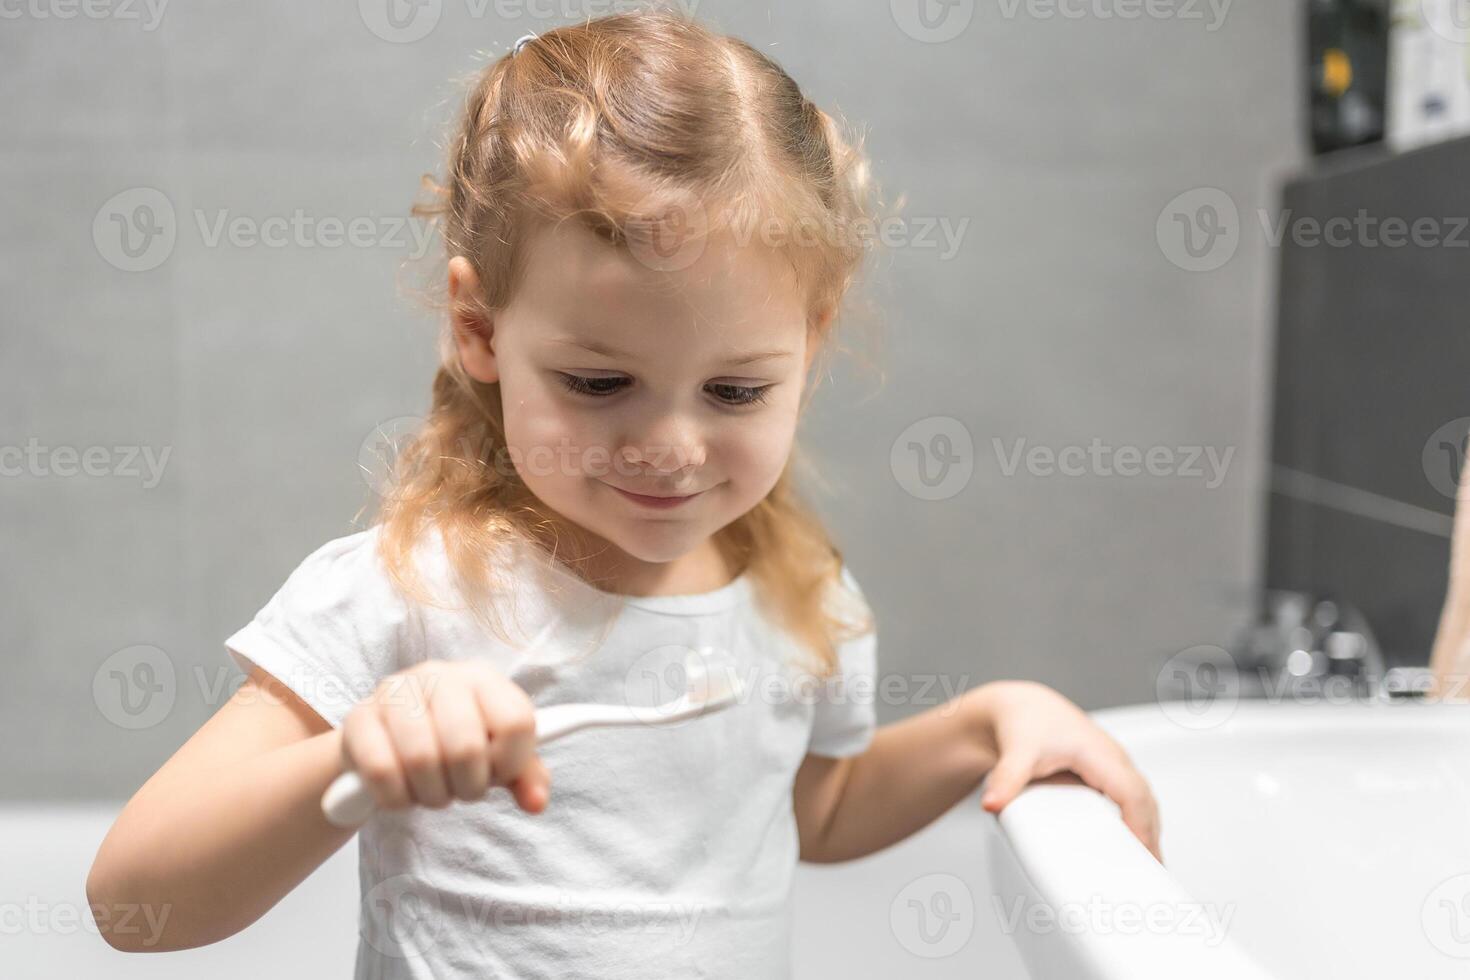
711 682
712 679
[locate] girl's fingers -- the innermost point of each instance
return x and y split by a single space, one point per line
368 750
532 789
1125 787
1009 777
417 744
461 730
512 730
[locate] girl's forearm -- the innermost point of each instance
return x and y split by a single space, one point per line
913 772
197 857
1450 659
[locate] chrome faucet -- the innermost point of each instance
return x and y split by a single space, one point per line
1307 645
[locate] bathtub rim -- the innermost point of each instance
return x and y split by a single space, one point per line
1068 844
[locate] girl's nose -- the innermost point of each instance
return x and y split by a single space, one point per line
670 448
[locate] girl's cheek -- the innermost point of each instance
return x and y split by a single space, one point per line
755 458
546 434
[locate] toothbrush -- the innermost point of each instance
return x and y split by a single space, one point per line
348 802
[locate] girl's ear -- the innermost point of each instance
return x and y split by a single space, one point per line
474 333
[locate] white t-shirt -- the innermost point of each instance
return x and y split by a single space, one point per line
663 852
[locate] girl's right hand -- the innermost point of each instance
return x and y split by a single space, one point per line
444 730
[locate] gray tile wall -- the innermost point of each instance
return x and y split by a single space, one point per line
261 370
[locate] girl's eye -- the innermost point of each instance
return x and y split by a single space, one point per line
739 394
602 387
597 387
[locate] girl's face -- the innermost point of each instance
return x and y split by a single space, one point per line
618 379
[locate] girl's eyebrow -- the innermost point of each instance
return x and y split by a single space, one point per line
738 357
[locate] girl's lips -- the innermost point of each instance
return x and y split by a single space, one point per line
657 503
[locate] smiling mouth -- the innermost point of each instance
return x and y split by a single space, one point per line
661 502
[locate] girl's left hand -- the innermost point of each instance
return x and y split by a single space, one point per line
1034 732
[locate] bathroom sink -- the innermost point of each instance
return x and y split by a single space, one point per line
1300 840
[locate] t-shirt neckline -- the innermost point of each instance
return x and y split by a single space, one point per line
727 596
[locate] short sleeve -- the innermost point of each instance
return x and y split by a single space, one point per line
844 719
334 629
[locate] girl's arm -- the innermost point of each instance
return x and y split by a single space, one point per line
228 826
1450 660
916 769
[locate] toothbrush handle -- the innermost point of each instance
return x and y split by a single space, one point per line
348 802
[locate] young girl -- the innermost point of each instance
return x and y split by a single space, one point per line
603 484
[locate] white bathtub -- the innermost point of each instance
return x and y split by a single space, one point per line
1336 838
1300 841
